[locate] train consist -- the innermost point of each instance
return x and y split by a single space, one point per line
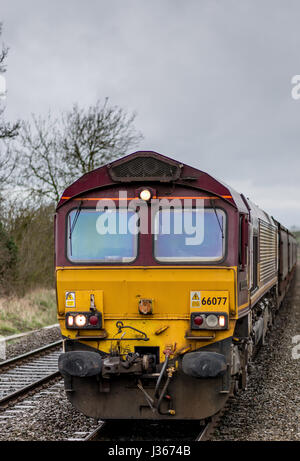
167 280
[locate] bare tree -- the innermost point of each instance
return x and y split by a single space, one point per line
3 53
93 137
8 131
55 152
43 170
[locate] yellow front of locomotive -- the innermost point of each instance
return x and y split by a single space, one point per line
147 317
156 314
174 308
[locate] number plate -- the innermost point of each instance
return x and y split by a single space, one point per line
209 300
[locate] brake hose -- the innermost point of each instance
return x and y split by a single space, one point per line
156 393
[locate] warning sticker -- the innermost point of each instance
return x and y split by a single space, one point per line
195 298
70 299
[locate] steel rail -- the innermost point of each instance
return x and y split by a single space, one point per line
212 424
93 435
206 431
32 353
22 377
26 389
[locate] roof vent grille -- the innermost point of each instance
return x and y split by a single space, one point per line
144 168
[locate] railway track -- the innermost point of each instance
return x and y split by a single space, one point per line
81 436
179 431
212 424
208 429
121 431
28 372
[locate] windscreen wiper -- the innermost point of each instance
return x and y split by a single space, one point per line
221 227
75 219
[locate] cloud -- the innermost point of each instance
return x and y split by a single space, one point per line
210 80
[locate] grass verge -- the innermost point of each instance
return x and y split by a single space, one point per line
35 310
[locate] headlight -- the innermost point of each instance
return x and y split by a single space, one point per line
145 194
211 321
80 320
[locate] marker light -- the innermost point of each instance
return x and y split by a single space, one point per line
70 321
211 320
222 321
145 195
80 320
198 320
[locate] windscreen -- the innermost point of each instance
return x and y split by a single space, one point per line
101 236
189 235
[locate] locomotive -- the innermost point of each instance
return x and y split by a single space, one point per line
167 280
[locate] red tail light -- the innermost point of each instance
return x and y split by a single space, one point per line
198 320
93 320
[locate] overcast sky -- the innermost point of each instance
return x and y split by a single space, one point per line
210 80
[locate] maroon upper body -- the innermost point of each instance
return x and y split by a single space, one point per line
166 178
184 181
